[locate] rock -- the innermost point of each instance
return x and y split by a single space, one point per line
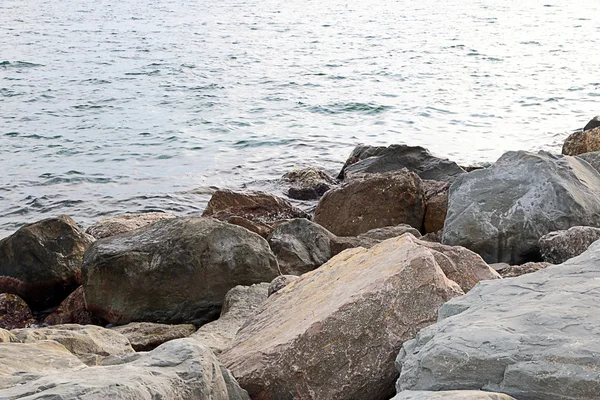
7 337
14 312
373 201
173 271
592 158
535 336
124 223
388 232
308 183
559 246
433 236
333 333
181 369
146 336
280 282
241 302
41 262
582 142
259 228
87 342
436 198
451 395
252 205
73 311
517 270
502 211
594 123
368 159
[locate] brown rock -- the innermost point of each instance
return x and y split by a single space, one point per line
436 195
373 201
7 337
433 236
73 311
308 183
14 312
335 332
124 223
259 228
559 246
518 270
582 142
280 282
146 336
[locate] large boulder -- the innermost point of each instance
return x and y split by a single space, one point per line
181 369
173 271
124 223
369 159
333 333
73 311
241 302
14 312
146 336
41 262
557 247
535 336
502 211
582 142
308 183
373 201
451 395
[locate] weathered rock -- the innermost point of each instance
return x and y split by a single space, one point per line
308 183
73 311
41 262
502 211
557 247
333 333
173 271
433 236
241 302
593 158
370 238
517 270
252 205
582 142
259 228
435 212
451 395
368 159
594 123
373 201
181 369
14 312
535 336
124 223
7 337
280 282
146 336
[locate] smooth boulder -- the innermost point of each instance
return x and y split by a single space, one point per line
124 223
582 142
502 211
173 271
557 247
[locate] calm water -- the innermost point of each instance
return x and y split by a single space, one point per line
126 106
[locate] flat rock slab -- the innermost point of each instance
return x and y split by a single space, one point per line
451 395
536 336
146 336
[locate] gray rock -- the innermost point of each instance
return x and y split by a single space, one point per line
535 336
146 336
124 223
592 158
388 232
451 395
594 123
557 247
369 159
308 183
502 211
280 282
510 271
173 271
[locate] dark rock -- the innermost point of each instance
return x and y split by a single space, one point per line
14 312
502 211
557 247
517 270
368 159
146 336
308 183
262 229
433 236
73 311
41 262
280 282
124 223
594 123
173 271
582 142
436 208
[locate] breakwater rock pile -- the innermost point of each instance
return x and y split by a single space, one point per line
413 278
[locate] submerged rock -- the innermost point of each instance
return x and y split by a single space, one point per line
582 142
559 246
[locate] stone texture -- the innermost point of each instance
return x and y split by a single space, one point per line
451 395
146 336
582 142
373 201
592 124
280 282
259 228
369 159
124 223
73 311
41 262
308 183
502 211
436 198
173 271
559 246
240 303
592 158
14 312
333 333
181 369
535 336
7 337
517 270
433 236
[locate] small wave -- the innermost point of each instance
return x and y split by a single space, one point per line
19 64
150 73
353 107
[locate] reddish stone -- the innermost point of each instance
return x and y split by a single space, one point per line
14 312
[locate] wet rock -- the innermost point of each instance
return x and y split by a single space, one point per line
594 123
241 302
73 311
124 223
532 337
7 337
333 333
373 201
308 183
173 271
510 271
14 312
502 211
146 336
280 282
582 142
251 205
41 262
369 159
451 395
557 247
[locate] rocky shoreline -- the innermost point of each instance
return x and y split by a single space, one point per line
413 278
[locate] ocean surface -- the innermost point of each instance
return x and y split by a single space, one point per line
108 107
